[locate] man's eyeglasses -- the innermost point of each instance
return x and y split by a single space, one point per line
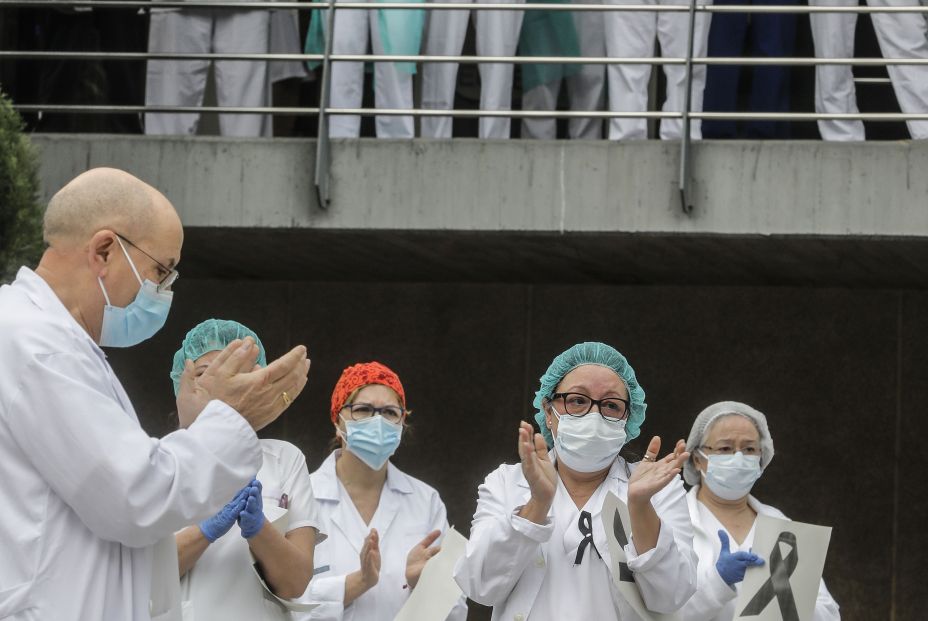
168 275
612 409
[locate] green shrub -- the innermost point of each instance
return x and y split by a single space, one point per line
20 212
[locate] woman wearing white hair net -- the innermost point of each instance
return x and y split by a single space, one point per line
730 447
537 548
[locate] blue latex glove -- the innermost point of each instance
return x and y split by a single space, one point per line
731 567
251 518
215 527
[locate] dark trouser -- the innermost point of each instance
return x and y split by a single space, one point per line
771 35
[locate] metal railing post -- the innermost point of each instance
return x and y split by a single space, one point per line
685 202
322 176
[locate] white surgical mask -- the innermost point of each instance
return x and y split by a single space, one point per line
588 443
731 477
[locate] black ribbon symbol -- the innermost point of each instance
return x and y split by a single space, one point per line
777 584
625 574
586 529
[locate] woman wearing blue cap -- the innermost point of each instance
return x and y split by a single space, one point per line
537 549
276 514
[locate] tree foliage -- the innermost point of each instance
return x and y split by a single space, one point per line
20 212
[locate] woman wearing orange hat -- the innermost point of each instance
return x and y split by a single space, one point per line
383 524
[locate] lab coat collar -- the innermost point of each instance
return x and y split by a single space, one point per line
43 296
326 486
617 471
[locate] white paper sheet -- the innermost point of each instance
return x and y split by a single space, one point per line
621 575
279 519
437 592
802 545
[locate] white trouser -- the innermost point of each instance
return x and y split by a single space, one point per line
632 35
392 87
901 35
444 36
497 35
183 82
585 89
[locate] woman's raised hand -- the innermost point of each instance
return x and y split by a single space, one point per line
653 474
537 468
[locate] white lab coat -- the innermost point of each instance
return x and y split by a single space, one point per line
408 511
506 557
87 491
222 585
714 600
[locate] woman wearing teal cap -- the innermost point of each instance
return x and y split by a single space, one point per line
538 550
278 523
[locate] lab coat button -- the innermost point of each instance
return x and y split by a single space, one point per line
519 617
540 561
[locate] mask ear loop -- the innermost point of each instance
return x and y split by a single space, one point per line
129 259
103 289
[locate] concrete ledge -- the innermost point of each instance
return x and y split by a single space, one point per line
739 188
766 212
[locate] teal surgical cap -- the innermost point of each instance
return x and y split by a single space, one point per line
604 356
211 335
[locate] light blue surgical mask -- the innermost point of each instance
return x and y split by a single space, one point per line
731 477
372 440
141 320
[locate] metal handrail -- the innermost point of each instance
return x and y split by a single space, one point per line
519 114
793 61
457 6
687 105
322 177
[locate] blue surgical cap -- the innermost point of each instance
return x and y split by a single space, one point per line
604 356
211 335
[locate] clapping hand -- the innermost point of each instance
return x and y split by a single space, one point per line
215 527
259 394
652 474
251 519
419 556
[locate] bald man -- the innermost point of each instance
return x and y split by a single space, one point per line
89 500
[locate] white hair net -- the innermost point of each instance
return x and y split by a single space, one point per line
707 418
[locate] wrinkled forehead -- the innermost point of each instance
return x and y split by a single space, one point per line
593 378
731 426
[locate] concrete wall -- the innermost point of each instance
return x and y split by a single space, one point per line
739 188
839 373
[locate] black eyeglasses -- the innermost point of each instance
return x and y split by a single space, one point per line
167 281
612 409
362 411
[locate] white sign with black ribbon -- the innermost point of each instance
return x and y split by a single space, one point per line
785 587
617 524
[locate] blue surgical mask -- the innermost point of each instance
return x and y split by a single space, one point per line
145 315
372 440
731 477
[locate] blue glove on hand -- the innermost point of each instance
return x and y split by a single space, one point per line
251 518
215 527
731 567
